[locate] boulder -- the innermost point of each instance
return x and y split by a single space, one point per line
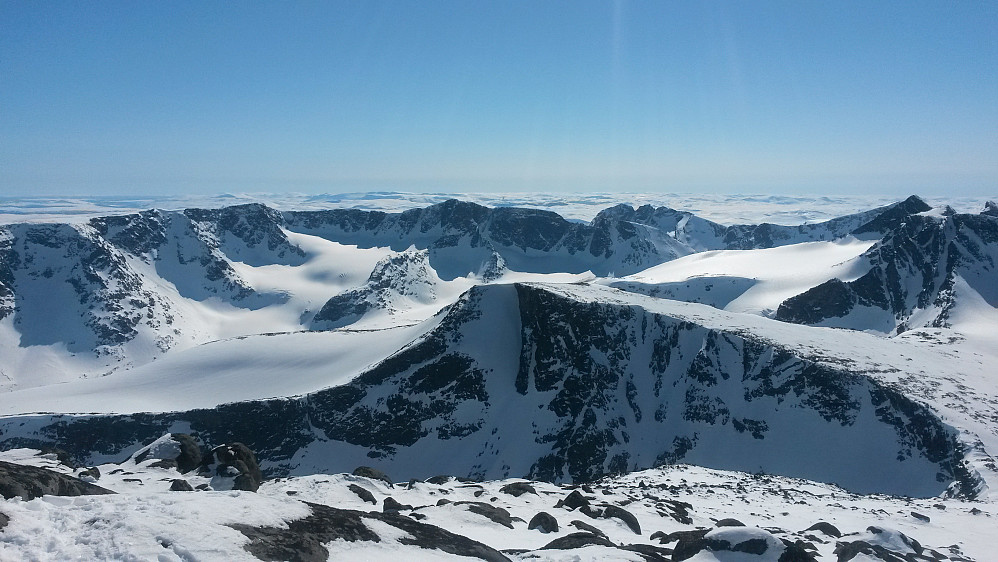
363 493
582 526
729 522
575 500
543 522
517 489
91 474
826 528
373 474
577 540
391 505
612 511
181 485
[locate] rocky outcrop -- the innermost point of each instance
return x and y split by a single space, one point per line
304 539
30 482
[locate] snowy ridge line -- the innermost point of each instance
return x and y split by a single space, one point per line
450 390
727 209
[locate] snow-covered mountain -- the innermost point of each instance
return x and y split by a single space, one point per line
503 342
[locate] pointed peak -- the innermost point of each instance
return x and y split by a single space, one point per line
914 204
990 209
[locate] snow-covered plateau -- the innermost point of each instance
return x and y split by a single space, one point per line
633 383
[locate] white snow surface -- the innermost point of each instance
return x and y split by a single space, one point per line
753 281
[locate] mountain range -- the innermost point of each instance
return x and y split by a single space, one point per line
497 343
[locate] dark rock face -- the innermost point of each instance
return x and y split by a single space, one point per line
303 539
544 522
30 482
729 523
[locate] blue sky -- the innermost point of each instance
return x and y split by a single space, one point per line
745 97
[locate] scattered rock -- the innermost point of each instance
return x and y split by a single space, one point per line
729 522
612 511
577 540
237 468
649 552
575 500
517 489
544 522
363 493
373 474
825 527
91 474
798 552
496 514
303 539
587 527
920 517
181 485
391 505
438 480
31 482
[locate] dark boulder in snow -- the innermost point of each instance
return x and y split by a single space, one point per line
30 482
612 511
517 489
729 522
391 505
303 539
363 493
577 540
496 514
583 526
574 500
543 522
825 527
181 485
373 474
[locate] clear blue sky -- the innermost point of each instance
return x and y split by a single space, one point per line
742 96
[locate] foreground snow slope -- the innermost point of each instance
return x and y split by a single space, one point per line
145 521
